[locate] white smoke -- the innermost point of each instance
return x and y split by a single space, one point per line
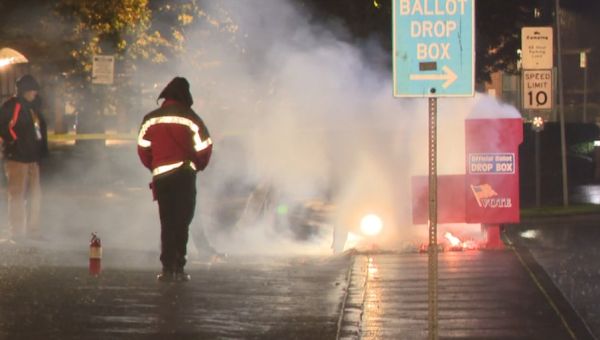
313 117
296 115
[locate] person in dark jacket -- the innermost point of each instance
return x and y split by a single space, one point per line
23 132
174 144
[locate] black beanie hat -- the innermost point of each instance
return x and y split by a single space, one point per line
27 83
178 89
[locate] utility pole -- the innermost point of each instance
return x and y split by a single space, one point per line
584 65
563 147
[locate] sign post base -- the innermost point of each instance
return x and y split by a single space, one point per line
492 235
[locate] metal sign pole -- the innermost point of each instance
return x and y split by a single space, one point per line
433 248
538 184
563 146
585 91
433 65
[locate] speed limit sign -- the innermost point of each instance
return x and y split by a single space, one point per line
537 89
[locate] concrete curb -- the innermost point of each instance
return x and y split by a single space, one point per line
349 325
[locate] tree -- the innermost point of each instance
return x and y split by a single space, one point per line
136 32
498 33
121 28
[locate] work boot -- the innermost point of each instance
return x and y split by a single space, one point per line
182 276
166 276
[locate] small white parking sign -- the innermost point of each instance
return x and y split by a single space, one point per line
103 69
536 46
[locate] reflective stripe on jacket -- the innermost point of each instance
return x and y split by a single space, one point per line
171 136
23 129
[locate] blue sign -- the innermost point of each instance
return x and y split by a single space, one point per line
433 48
492 163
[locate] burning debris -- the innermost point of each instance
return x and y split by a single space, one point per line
453 243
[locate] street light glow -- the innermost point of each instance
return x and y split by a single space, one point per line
9 56
537 123
6 61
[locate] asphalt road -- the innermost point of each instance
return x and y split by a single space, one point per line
49 294
567 249
46 292
266 298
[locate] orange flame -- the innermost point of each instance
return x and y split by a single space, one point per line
454 244
454 241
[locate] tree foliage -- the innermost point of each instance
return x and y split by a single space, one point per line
498 32
119 27
138 33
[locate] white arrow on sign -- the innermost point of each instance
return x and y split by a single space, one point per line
449 76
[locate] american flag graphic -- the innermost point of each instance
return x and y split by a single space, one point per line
483 191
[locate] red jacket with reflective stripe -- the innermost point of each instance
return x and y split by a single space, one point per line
171 134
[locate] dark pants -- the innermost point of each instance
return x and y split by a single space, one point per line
176 195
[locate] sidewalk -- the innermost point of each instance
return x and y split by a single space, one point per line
482 295
567 249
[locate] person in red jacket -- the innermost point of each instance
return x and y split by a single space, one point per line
174 144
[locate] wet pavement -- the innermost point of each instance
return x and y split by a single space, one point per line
567 248
482 295
245 298
541 289
47 293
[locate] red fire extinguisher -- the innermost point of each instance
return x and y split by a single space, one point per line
95 255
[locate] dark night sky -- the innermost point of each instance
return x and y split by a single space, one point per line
580 19
363 19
